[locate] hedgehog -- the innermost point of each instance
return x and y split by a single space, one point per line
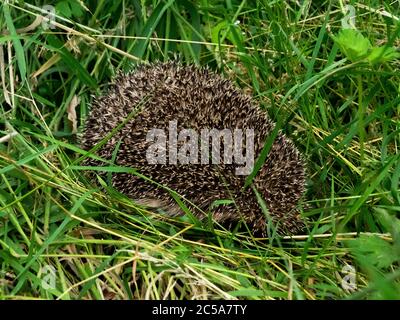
153 96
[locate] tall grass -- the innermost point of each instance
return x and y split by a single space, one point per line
343 115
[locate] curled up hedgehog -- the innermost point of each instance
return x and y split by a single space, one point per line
174 107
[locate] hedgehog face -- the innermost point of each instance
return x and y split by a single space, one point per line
193 100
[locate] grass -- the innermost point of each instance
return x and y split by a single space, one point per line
343 115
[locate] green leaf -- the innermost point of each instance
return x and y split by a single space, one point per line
76 8
247 293
226 25
216 30
353 44
263 155
148 29
19 50
221 202
375 250
382 54
371 186
63 8
69 8
252 292
72 63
